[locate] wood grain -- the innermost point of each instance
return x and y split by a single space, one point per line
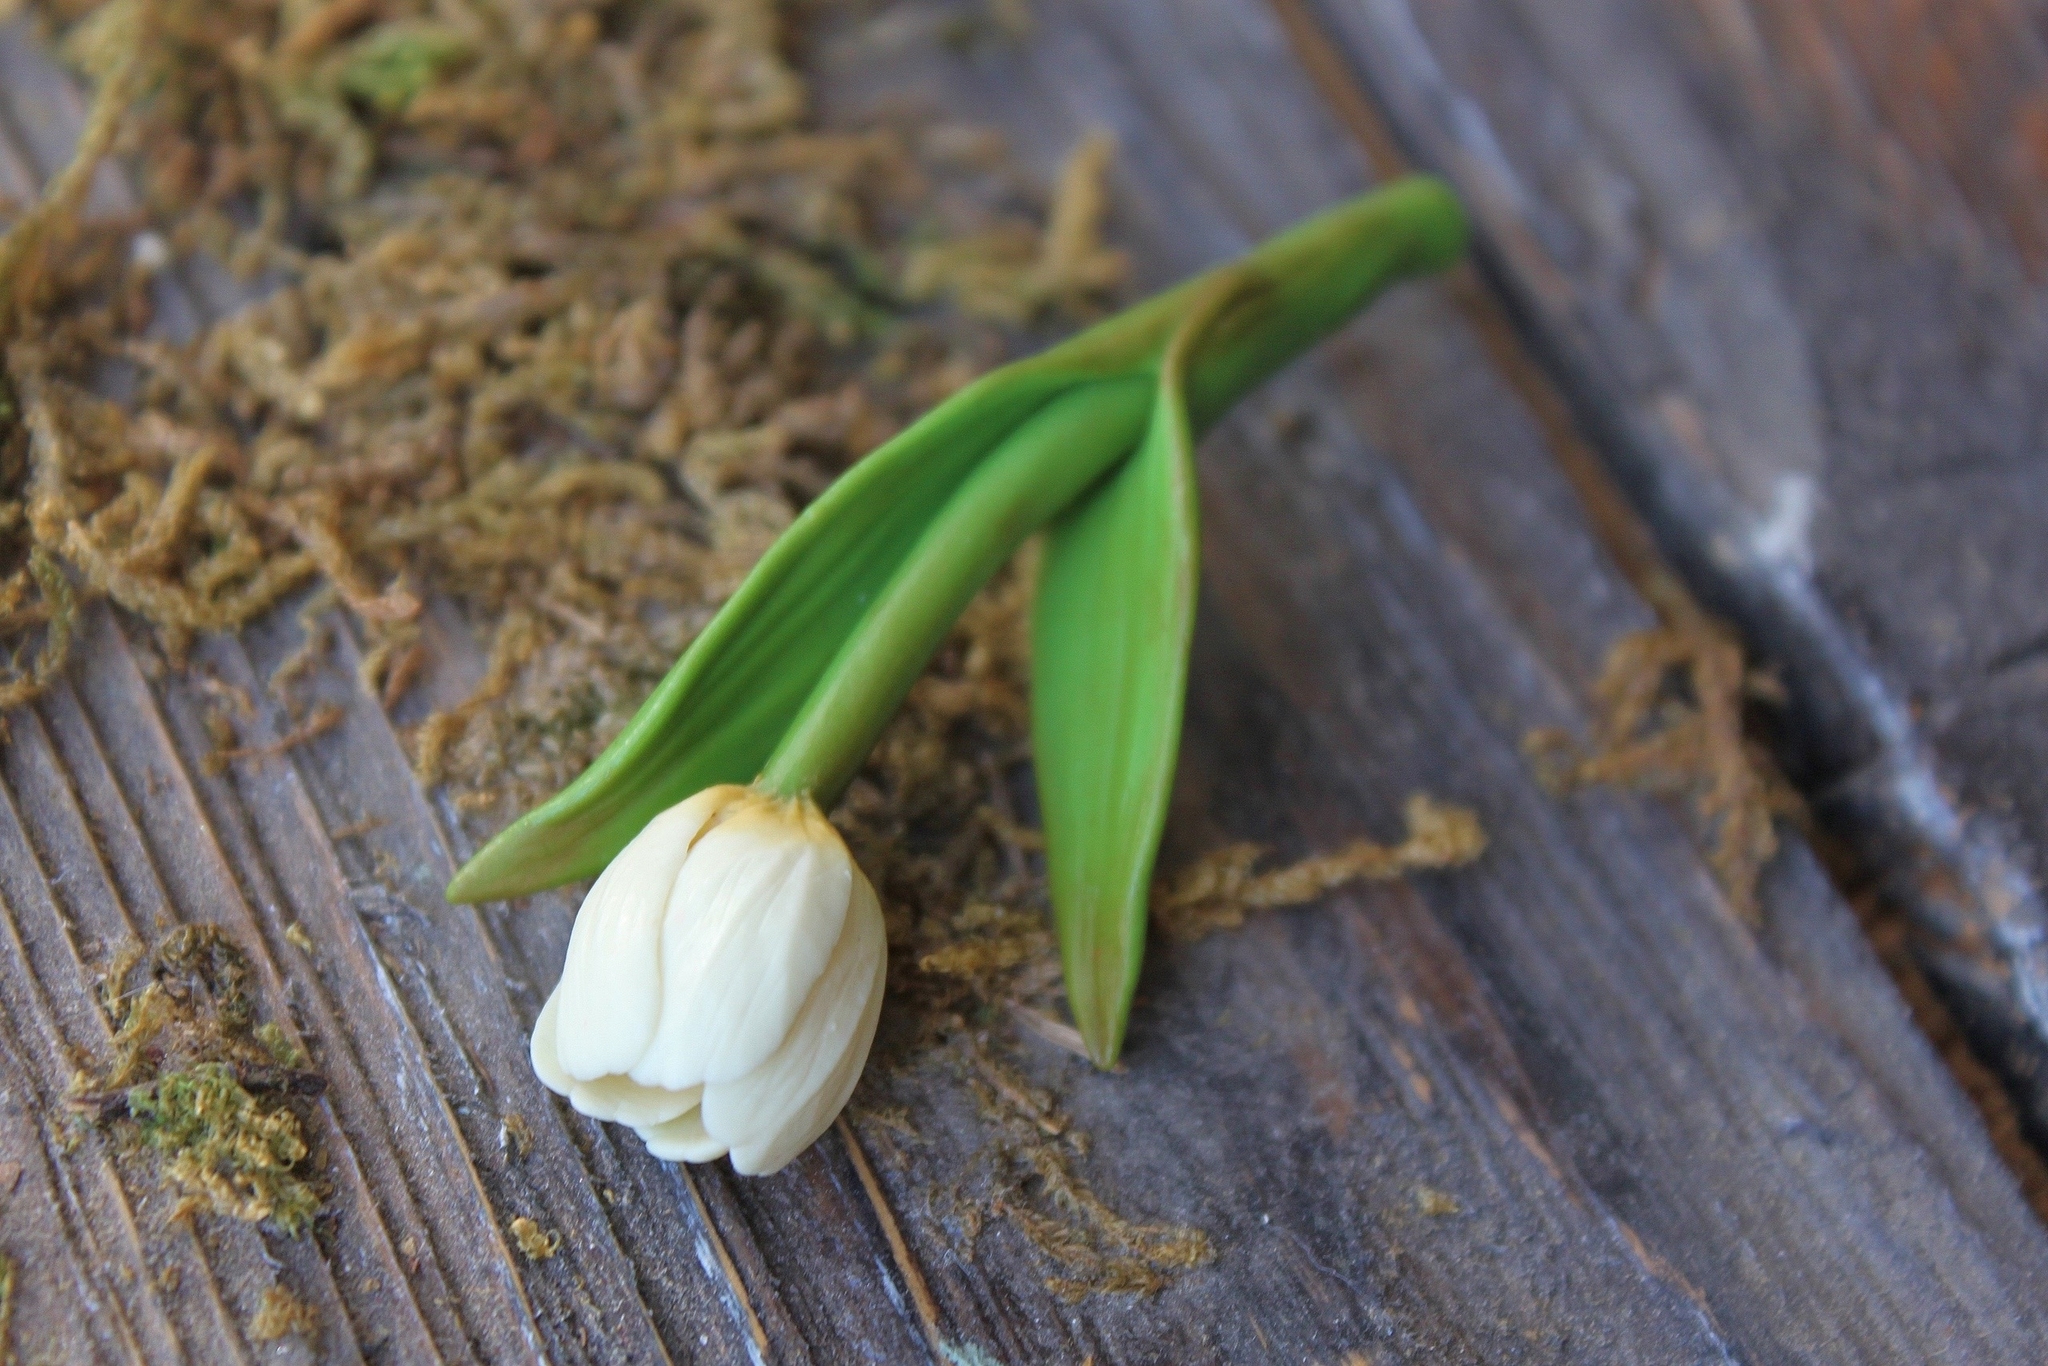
1665 1139
1787 261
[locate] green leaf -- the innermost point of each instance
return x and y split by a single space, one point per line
1110 632
720 712
1052 458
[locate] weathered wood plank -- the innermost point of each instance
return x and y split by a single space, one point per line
1157 79
1667 1140
1787 259
205 863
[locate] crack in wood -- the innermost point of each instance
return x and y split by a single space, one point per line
899 1250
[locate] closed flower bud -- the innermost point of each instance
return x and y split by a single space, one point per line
722 984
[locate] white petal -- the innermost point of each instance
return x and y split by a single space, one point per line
610 1098
546 1065
682 1139
611 981
804 1128
750 927
628 1102
777 1110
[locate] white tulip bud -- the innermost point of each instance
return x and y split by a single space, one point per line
722 984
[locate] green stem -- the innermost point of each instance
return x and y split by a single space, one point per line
1303 284
1050 459
1273 304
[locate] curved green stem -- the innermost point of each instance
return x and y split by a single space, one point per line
1303 284
1222 332
1050 459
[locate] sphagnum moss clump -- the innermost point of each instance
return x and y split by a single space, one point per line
199 1083
222 1147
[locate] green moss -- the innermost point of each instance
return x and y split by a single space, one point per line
281 1049
224 1148
394 62
196 1080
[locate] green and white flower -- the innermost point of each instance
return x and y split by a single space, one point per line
1091 442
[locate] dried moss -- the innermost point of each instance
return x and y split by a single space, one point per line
577 310
1014 272
201 1084
54 610
322 719
32 250
515 1135
1217 890
270 1036
7 1271
1670 705
536 1244
1436 1204
280 1313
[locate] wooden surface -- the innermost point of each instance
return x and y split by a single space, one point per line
1668 1139
1788 261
